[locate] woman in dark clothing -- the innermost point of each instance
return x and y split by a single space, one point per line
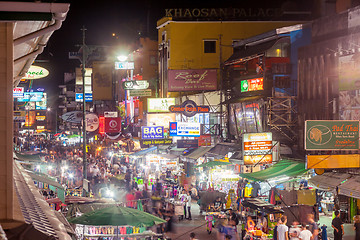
357 227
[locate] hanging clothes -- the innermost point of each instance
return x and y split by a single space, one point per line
248 190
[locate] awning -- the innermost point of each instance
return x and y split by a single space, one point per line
56 187
351 187
284 168
212 164
199 152
262 206
328 181
143 152
28 157
222 149
250 52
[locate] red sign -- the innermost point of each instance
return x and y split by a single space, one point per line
192 80
112 125
101 125
205 140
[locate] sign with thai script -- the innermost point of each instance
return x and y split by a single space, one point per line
331 135
146 143
140 93
36 72
257 148
185 129
154 132
160 104
139 84
254 84
192 80
189 108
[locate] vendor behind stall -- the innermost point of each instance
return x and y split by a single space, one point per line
218 204
262 223
250 224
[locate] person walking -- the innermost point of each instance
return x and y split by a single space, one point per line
294 231
305 234
338 227
313 227
188 206
282 229
357 227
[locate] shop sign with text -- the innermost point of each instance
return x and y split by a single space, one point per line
147 143
187 143
139 84
112 125
160 104
36 72
331 135
254 84
153 132
18 92
189 108
192 80
185 129
140 93
124 65
257 148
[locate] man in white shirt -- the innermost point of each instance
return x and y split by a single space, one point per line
282 229
188 206
305 234
294 231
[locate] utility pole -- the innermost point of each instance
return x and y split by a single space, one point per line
84 57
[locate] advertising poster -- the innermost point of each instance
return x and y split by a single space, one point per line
156 132
41 105
349 105
257 148
160 104
185 129
192 80
102 81
349 72
331 135
250 85
160 119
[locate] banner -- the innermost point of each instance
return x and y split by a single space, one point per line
147 143
192 80
185 129
113 125
102 81
331 135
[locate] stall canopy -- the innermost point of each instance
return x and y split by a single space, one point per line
145 151
199 152
351 187
28 157
213 164
328 181
222 149
284 168
262 206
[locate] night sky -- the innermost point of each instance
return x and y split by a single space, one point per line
127 19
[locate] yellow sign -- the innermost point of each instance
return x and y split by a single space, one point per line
333 161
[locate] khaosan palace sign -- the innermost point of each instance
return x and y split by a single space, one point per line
189 108
224 13
192 80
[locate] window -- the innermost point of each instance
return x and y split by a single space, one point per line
209 46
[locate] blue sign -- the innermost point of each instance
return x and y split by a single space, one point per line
31 97
156 132
185 129
79 97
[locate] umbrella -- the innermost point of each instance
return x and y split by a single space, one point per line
117 216
213 164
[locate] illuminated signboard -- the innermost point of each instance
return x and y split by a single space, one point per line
185 129
41 105
160 104
250 85
189 108
160 119
79 97
155 132
124 65
32 97
36 72
40 118
140 84
256 147
18 92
